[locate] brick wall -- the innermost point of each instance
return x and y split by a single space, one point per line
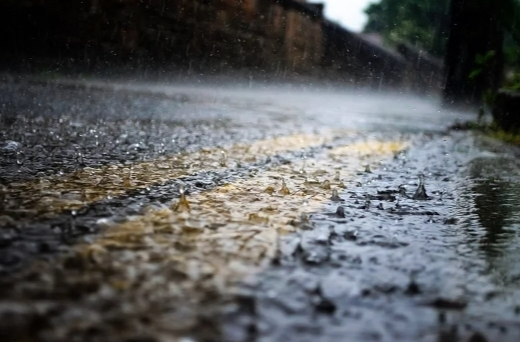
236 33
276 37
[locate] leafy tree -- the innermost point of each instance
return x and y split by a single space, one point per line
475 38
424 23
475 50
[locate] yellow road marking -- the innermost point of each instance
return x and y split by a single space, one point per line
167 264
50 195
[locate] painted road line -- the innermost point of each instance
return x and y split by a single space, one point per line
48 196
171 264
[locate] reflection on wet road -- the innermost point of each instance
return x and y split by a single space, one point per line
166 213
493 221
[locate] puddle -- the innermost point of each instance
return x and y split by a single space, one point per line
490 205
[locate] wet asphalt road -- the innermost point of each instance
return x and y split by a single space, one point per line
306 219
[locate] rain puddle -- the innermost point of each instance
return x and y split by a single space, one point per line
491 221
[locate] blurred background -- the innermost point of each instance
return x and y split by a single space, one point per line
434 46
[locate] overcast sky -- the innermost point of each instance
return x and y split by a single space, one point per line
349 13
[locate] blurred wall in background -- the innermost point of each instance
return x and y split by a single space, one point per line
262 37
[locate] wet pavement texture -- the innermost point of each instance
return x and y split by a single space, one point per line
157 212
391 268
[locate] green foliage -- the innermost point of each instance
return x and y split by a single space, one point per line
481 63
512 138
425 23
489 129
513 82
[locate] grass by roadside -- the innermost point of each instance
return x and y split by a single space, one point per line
490 129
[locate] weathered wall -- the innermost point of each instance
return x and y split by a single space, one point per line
266 34
275 37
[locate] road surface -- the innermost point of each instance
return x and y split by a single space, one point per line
135 211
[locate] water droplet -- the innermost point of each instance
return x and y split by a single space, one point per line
223 159
367 202
337 176
135 147
182 204
270 190
11 146
284 190
20 158
421 178
78 157
127 183
420 192
340 212
367 169
325 184
335 196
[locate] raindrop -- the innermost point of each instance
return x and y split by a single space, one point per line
413 288
182 204
304 164
182 189
78 157
20 158
223 159
284 190
420 193
325 185
340 212
135 147
402 191
127 183
335 197
367 202
84 196
40 151
270 190
11 146
367 169
304 218
337 176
